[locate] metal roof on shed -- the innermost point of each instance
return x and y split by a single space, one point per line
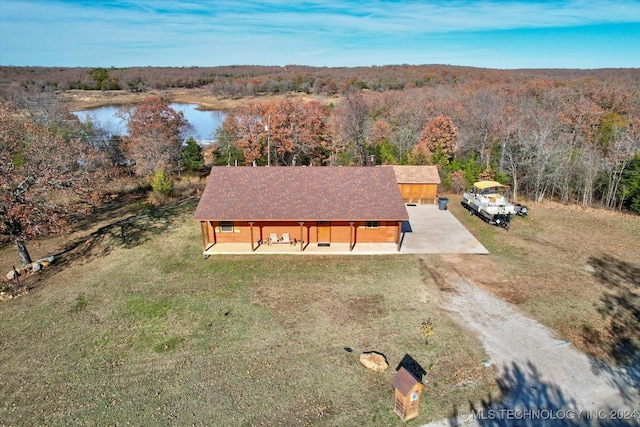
301 193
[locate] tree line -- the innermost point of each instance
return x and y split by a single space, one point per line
575 141
252 80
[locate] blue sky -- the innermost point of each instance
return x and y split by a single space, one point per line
492 34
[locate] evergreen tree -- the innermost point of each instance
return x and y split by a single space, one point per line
191 158
629 190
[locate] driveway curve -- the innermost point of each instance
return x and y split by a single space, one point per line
545 380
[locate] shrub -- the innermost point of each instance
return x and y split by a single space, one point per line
162 183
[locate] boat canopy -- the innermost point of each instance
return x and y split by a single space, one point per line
481 185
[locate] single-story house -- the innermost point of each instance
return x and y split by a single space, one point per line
417 184
300 205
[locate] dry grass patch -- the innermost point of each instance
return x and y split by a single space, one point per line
135 326
81 99
575 270
146 331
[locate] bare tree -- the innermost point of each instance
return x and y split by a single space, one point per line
350 122
530 155
589 167
484 110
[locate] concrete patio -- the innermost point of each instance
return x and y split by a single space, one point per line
432 231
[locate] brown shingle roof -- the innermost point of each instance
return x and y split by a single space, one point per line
301 193
403 381
417 174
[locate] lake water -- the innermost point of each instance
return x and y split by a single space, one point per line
205 123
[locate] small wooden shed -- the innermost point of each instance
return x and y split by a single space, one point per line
417 184
408 391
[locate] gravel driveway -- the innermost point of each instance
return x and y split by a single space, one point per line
547 381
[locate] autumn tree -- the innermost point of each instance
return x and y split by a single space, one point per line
437 142
279 132
156 134
406 113
250 133
458 183
44 178
296 131
579 116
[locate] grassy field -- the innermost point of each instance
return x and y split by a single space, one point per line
575 270
133 326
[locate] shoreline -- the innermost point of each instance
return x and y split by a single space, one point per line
77 100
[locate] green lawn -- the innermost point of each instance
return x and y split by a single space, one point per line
148 332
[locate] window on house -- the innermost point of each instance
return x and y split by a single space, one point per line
373 224
226 226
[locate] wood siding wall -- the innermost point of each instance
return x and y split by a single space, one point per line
418 193
340 232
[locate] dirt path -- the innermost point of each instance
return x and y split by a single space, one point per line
538 371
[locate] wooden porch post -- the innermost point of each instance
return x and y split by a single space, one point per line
351 242
251 232
399 237
301 236
261 234
203 230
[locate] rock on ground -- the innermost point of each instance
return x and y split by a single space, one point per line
374 361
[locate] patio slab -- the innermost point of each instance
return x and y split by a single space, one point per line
434 231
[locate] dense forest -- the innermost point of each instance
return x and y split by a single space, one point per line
570 135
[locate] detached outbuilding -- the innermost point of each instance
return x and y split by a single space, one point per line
301 206
407 396
417 184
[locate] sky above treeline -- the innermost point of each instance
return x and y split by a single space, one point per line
332 33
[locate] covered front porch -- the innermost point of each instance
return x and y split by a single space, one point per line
300 236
